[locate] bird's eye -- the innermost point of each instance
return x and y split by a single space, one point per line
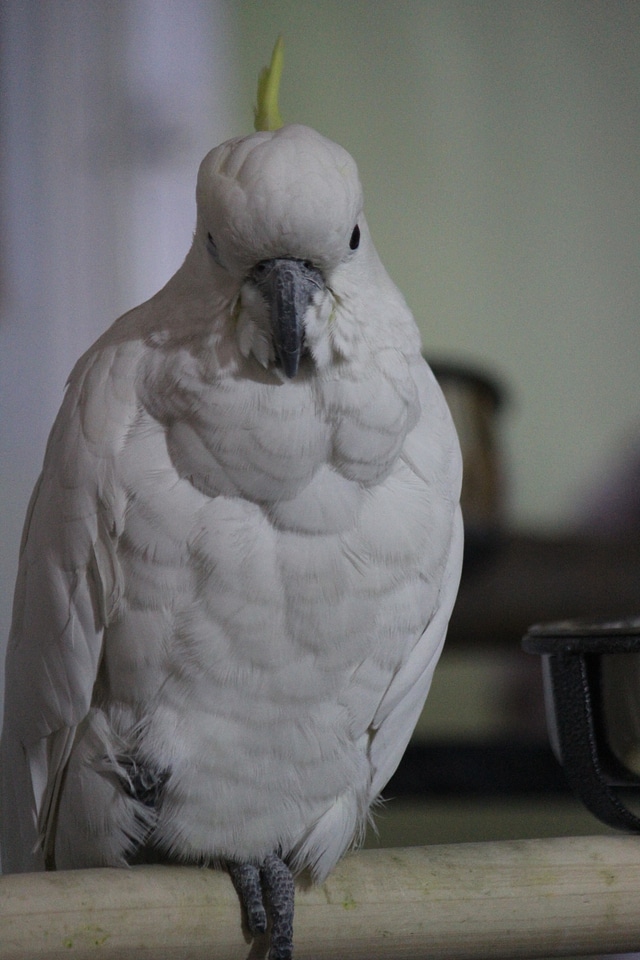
260 270
354 242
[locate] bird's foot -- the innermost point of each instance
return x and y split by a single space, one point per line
246 880
279 889
267 888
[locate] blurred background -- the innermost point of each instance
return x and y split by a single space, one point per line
498 145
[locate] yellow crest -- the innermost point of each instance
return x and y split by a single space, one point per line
267 112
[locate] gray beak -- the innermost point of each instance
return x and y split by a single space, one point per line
288 286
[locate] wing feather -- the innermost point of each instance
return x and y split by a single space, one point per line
400 708
433 454
63 591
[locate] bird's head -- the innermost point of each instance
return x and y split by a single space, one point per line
279 218
280 213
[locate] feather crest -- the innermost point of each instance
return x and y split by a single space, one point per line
267 112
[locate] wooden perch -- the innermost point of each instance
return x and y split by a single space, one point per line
527 898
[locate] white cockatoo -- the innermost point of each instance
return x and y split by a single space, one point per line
240 559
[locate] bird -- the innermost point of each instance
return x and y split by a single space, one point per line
241 556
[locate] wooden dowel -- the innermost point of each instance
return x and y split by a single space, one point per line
526 898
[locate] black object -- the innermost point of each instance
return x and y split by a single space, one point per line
493 768
573 652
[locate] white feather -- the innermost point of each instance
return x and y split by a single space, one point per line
240 580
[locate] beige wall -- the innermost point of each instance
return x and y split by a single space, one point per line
498 143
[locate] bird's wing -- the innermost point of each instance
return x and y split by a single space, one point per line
67 581
400 707
402 704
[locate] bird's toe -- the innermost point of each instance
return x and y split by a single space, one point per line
279 889
246 880
267 895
